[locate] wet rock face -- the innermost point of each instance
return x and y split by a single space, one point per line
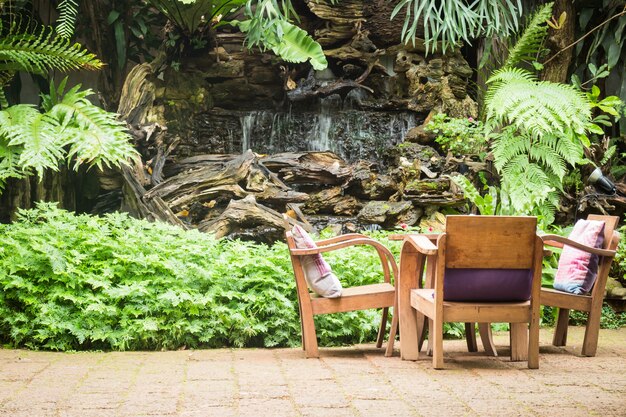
374 91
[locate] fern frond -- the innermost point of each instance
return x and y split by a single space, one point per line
546 155
528 45
68 10
9 165
26 47
94 136
514 97
570 148
34 134
506 147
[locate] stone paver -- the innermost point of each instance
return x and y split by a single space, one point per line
352 382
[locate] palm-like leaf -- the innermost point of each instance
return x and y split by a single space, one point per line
451 21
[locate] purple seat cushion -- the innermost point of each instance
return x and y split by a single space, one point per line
487 284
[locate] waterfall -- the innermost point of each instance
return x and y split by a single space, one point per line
247 124
335 125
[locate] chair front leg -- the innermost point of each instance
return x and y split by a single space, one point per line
519 341
392 333
437 337
309 337
590 342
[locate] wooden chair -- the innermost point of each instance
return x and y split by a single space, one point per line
473 251
591 303
382 295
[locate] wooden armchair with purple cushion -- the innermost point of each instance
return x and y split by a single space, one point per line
581 277
485 269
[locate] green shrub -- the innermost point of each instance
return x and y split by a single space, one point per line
113 282
459 136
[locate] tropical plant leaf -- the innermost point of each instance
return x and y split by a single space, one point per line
34 134
94 136
449 21
297 46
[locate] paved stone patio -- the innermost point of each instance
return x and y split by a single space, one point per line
355 381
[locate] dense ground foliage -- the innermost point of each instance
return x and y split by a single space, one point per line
81 282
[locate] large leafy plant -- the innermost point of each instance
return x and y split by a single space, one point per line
69 128
267 25
538 128
27 47
450 22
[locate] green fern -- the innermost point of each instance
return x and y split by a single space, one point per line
31 48
70 128
94 136
35 134
68 10
529 44
540 107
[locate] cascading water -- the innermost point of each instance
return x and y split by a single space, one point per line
336 125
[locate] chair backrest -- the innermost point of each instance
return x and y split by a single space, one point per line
490 258
301 285
611 239
610 224
493 242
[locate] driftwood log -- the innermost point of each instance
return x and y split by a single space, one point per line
246 195
321 168
237 178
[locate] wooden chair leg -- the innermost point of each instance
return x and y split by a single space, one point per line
383 327
560 332
590 343
487 338
429 347
422 329
533 342
412 268
310 337
436 335
392 333
470 337
519 341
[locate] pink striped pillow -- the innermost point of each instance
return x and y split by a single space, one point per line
578 269
317 272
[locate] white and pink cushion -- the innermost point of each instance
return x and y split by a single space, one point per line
578 269
317 272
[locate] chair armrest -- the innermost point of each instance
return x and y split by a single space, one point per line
386 257
338 245
421 243
339 238
431 236
558 242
